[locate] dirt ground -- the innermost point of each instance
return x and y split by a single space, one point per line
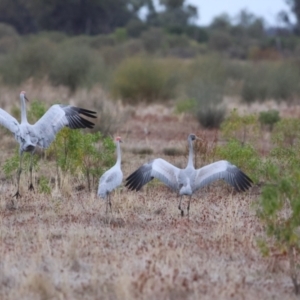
64 246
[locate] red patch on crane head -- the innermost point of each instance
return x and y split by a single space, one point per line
118 139
23 93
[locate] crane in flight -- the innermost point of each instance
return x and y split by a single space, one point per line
112 178
43 132
189 180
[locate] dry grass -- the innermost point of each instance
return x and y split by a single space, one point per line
63 246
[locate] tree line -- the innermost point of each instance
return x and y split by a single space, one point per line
92 16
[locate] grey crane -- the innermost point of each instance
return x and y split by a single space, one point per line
43 132
187 181
112 178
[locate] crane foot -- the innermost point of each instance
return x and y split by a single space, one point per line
31 188
17 195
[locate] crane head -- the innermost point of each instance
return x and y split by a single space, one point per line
193 137
118 139
23 94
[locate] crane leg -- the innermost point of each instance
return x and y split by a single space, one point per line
188 207
31 188
179 207
109 202
17 194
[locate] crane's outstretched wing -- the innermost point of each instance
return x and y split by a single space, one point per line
157 168
56 118
9 121
222 170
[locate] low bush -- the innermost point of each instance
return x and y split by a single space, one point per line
32 60
9 39
75 66
244 156
242 128
269 118
211 116
76 152
278 207
153 39
270 80
173 151
144 80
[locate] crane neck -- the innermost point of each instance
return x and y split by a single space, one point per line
23 109
118 154
191 154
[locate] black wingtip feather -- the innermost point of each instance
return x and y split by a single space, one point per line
243 182
135 181
87 113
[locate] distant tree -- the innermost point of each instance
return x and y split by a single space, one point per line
221 22
70 16
17 13
295 7
175 14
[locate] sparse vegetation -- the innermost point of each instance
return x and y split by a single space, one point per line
148 223
57 242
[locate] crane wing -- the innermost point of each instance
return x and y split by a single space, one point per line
9 121
110 180
222 170
157 168
56 118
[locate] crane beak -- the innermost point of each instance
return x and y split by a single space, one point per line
26 98
198 138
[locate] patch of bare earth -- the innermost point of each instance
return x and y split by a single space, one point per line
64 246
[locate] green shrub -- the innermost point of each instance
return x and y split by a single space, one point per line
75 67
205 83
9 39
269 117
153 40
211 116
143 80
255 85
241 128
135 27
78 153
243 156
270 80
220 40
120 35
284 81
286 133
207 70
279 210
32 60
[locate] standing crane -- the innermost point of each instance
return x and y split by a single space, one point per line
189 180
43 132
112 178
